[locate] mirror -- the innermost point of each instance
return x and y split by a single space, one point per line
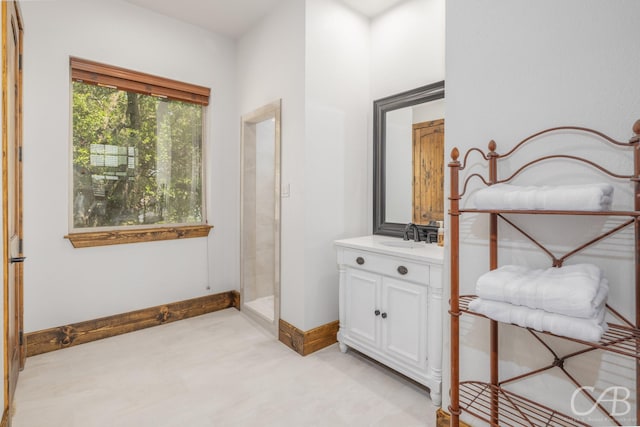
408 160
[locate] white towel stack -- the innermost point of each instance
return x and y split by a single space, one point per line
587 197
568 301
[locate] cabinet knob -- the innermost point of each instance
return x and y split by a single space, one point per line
403 270
377 312
384 315
360 260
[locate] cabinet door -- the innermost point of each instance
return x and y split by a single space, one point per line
361 303
404 321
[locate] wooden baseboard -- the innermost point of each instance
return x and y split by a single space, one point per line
443 418
66 336
307 342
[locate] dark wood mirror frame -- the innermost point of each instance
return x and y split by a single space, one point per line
381 106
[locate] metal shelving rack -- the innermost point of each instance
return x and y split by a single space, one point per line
490 401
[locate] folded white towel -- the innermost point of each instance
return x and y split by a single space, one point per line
587 197
577 290
540 320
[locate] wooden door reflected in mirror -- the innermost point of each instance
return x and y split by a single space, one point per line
428 172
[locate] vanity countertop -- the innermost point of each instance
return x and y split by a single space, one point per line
418 251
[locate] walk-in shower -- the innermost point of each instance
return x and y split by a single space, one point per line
260 215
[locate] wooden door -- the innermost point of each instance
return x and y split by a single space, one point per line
428 172
12 193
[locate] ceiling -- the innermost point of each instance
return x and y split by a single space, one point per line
233 18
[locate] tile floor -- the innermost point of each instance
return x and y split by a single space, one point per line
220 369
263 306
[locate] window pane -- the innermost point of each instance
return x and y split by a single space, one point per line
137 159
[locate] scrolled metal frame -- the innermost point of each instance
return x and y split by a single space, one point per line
498 403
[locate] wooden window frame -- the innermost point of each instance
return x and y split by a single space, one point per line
96 73
91 72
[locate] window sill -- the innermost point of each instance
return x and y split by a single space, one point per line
120 237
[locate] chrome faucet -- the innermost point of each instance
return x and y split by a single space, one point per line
416 232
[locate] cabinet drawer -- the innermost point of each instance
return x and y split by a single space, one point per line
387 265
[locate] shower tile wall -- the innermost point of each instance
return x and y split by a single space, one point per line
259 210
265 208
249 215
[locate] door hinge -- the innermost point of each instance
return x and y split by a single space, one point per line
20 248
20 62
21 338
20 153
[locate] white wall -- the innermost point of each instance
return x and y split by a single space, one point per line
270 64
337 94
65 285
407 47
327 64
407 51
349 61
432 110
399 165
313 55
515 67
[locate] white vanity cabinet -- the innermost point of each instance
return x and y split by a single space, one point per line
391 305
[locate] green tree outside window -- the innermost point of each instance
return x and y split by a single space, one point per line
137 159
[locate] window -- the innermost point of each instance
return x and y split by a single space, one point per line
137 156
